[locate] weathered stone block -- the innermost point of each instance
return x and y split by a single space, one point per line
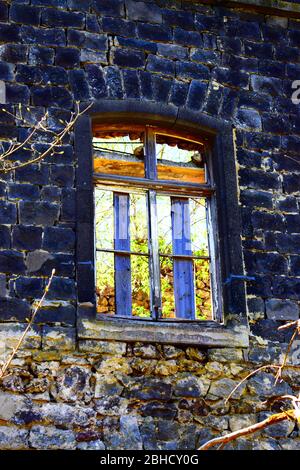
58 338
223 387
56 312
112 406
113 82
67 57
24 14
269 85
118 26
196 95
107 386
117 365
17 94
256 262
40 213
12 262
96 81
229 77
42 36
61 414
10 334
282 310
179 93
50 438
13 438
162 66
128 58
52 17
131 83
9 33
41 55
6 71
72 384
91 445
193 387
192 70
184 19
263 385
27 192
62 288
147 351
154 32
58 239
51 193
103 347
149 389
90 41
187 38
159 410
142 11
238 422
113 8
248 118
29 287
10 405
79 83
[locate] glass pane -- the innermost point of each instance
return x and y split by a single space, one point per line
199 235
119 153
105 285
203 293
185 283
138 223
104 219
164 224
179 159
167 288
140 283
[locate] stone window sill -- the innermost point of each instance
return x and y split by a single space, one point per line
210 334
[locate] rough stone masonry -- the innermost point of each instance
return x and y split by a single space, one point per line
236 63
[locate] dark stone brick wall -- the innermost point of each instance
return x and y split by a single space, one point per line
238 66
231 64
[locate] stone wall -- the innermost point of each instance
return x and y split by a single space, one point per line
113 395
232 64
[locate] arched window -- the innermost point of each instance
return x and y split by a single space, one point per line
154 230
158 227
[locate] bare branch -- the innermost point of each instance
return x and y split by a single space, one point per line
273 419
30 323
57 140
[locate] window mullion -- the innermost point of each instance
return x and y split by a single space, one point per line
154 255
150 154
151 173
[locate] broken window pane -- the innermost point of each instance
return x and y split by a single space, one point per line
104 217
140 285
138 223
167 287
164 224
199 235
105 286
179 159
119 153
202 288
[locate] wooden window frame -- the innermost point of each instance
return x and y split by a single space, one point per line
219 139
154 186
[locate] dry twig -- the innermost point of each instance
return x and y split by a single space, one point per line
7 364
292 414
7 166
